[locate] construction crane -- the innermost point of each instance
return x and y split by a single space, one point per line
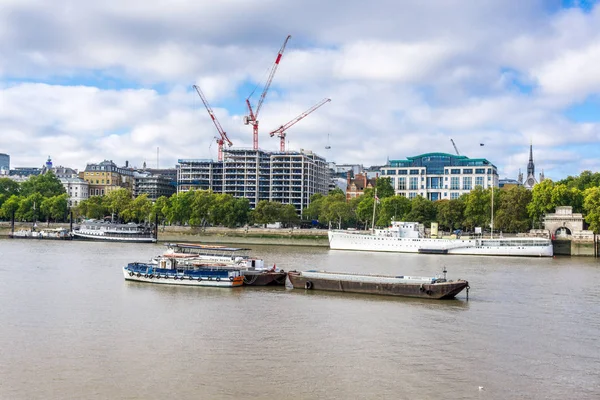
455 148
252 118
223 136
281 130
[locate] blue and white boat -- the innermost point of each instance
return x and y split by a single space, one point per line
170 273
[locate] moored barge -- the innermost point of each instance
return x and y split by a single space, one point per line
200 276
191 255
407 286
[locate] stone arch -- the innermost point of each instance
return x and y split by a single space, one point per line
564 222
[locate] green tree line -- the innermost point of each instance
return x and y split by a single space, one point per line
40 198
43 198
517 209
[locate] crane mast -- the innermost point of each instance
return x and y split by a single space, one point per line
455 148
252 117
223 136
281 130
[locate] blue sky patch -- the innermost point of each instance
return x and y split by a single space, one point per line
588 111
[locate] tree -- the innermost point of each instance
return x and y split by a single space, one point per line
93 207
202 203
477 208
450 213
160 209
384 187
180 209
266 212
512 213
363 209
333 191
45 209
29 208
47 185
289 216
393 208
336 209
313 210
139 209
422 210
541 201
241 211
565 196
8 187
10 206
60 207
591 204
585 180
225 210
117 201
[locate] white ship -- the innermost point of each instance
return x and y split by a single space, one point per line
57 233
107 231
407 237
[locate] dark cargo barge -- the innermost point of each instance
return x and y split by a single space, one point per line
407 286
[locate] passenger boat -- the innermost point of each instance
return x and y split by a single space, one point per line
252 269
108 231
50 234
407 237
407 286
199 276
211 254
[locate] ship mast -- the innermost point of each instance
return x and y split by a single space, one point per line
374 204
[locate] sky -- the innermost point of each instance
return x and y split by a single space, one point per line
87 81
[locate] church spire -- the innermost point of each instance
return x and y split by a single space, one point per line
530 165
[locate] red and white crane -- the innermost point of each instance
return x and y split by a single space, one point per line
252 118
281 130
223 136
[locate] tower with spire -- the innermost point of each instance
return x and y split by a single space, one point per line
530 182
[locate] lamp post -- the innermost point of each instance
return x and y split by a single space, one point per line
492 222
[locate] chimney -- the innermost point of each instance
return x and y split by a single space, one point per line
126 164
349 178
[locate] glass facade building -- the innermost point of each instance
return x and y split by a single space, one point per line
439 176
4 164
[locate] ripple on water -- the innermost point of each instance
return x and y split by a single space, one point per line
72 325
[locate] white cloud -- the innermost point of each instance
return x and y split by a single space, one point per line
404 77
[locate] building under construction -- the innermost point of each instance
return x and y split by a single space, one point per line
288 177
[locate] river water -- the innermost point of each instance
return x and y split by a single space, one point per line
71 327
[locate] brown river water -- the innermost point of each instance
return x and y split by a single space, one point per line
72 328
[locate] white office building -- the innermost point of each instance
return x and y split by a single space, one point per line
439 176
77 189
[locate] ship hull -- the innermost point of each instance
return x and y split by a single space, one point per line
263 278
108 238
136 273
435 291
523 247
